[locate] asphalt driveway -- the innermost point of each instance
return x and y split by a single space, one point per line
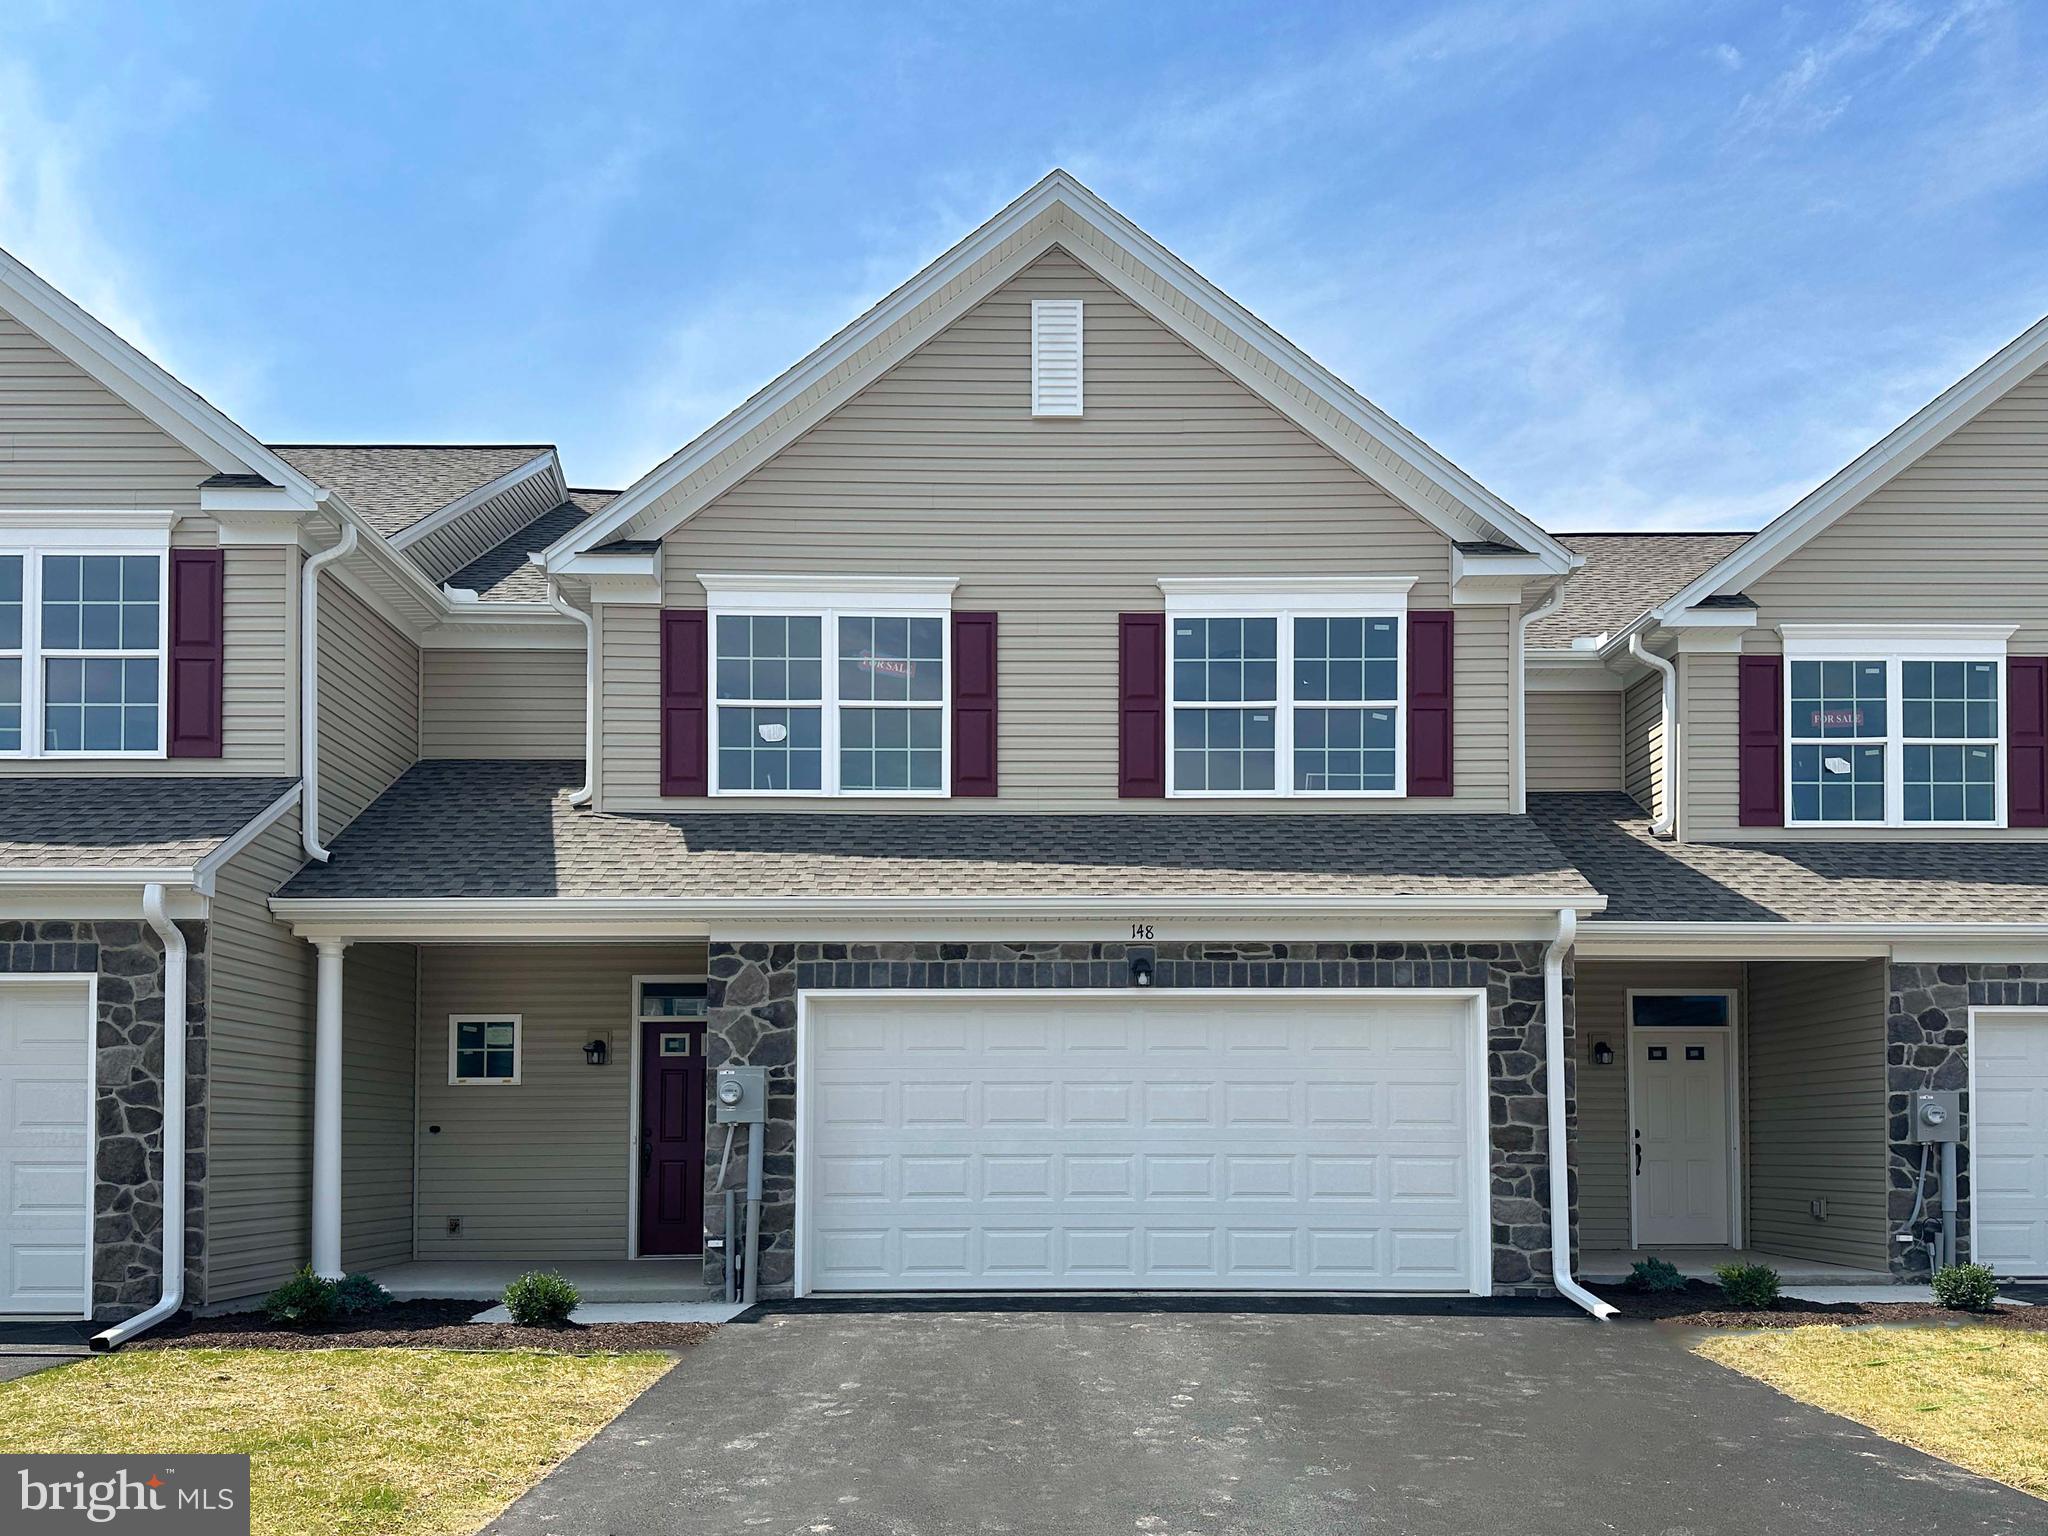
1048 1423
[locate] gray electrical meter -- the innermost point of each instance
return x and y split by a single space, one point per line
739 1096
1937 1115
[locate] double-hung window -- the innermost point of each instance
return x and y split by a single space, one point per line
1903 727
830 691
82 637
1286 692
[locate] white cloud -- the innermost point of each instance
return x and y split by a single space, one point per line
1727 55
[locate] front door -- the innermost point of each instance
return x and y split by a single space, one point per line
1679 1090
671 1138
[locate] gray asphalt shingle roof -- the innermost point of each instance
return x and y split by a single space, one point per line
505 829
1608 838
394 485
504 575
1625 575
161 821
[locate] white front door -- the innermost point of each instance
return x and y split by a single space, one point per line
2009 1143
46 1042
1114 1141
1679 1090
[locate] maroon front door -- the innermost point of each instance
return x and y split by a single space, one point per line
671 1138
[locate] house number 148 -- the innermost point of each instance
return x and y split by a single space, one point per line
1141 930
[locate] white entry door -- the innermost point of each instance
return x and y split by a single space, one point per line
1680 1084
2009 1142
46 1043
1151 1141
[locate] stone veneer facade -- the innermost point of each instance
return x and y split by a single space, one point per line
1927 1045
752 1021
128 960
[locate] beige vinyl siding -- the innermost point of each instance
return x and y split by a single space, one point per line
377 995
1600 992
1643 742
369 706
260 1051
1816 1110
1953 538
443 551
501 703
538 1169
1574 741
259 688
938 468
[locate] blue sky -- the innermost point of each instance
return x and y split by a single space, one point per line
1633 264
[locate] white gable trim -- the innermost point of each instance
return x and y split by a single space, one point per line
177 410
540 464
1955 406
1060 211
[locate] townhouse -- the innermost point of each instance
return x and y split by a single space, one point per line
1156 822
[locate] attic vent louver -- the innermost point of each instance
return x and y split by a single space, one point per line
1055 357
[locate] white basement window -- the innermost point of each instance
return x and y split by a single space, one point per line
82 637
841 691
1055 357
483 1048
1899 727
1300 691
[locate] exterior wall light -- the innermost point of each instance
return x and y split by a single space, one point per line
595 1053
1603 1054
1141 970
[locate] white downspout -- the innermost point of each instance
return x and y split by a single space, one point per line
173 1181
1542 610
1554 1077
309 691
589 622
1660 826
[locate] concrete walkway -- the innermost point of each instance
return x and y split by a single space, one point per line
1078 1423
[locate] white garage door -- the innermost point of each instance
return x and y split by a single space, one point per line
1118 1141
2009 1143
46 1040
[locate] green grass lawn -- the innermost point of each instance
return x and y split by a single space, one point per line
1975 1396
355 1442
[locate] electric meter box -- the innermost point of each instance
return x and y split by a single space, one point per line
739 1096
1937 1116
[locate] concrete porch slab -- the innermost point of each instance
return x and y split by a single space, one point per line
1614 1265
638 1312
638 1281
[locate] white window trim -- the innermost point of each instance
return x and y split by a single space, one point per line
1895 645
1333 597
36 536
518 1022
829 599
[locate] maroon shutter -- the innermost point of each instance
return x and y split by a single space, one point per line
974 705
197 664
685 702
2026 741
1141 717
1760 741
1430 663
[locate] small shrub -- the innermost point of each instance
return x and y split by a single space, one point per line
1966 1287
304 1301
357 1294
538 1299
1654 1275
1753 1287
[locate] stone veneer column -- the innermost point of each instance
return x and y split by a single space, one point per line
128 962
752 1013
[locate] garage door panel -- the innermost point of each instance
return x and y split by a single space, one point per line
2009 1143
46 1042
1339 1154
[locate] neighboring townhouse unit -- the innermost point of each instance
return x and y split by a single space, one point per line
1158 824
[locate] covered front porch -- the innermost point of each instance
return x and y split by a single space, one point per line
596 1280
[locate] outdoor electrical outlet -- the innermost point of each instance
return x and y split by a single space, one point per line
455 1226
1818 1208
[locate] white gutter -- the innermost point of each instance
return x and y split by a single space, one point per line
1668 709
309 690
562 605
173 1181
1542 610
1554 1078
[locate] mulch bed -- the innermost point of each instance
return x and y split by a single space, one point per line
1701 1305
436 1323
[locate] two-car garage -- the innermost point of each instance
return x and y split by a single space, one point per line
1260 1141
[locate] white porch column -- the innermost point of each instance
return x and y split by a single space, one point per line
327 1110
